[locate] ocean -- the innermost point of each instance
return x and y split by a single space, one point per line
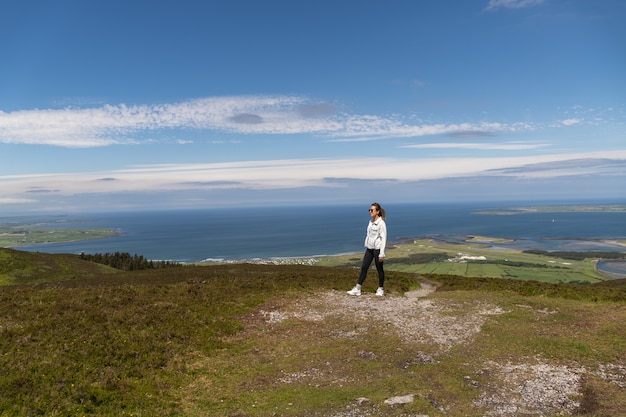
290 232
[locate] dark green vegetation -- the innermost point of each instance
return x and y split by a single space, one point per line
79 338
614 290
126 262
578 256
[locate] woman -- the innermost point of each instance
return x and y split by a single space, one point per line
375 242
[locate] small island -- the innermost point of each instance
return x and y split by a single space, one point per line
592 208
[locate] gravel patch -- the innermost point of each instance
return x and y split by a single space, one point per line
413 317
529 388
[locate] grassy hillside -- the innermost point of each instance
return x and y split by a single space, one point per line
257 340
18 267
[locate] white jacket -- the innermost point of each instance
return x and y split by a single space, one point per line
376 237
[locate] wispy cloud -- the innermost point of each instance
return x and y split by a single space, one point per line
359 130
571 122
11 200
512 4
470 134
567 168
298 173
282 115
479 146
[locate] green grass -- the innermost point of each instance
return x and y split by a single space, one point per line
121 342
18 267
80 339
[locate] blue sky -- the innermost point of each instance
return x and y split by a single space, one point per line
124 105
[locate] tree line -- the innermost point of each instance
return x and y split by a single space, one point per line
578 256
126 262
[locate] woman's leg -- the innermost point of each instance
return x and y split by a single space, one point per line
367 261
379 268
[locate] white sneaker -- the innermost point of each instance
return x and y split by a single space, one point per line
354 291
380 292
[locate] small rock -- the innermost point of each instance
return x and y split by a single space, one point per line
367 355
403 399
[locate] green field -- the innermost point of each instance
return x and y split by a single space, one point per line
427 257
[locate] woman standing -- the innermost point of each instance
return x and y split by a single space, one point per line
375 242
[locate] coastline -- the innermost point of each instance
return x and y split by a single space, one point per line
280 235
485 242
465 255
61 242
612 266
614 242
463 250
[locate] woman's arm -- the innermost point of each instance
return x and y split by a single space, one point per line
383 238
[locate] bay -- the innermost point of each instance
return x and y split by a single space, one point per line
283 232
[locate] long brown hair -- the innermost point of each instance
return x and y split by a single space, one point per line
381 211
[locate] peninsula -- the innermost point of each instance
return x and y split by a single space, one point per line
16 234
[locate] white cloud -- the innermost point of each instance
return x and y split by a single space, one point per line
374 128
11 200
512 4
479 146
282 115
571 122
292 173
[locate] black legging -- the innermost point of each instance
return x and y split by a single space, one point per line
372 254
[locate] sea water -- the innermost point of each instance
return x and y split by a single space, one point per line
282 232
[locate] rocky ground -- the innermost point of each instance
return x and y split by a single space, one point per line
532 387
